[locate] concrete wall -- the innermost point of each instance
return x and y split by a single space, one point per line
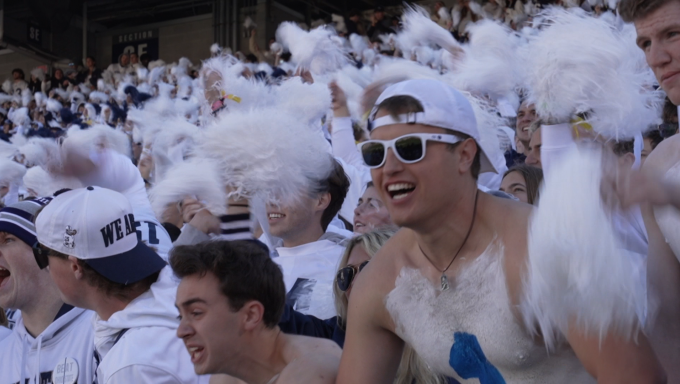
9 61
189 38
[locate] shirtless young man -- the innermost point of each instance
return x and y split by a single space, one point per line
230 298
450 281
657 23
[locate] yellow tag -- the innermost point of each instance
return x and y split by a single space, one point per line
579 122
222 93
235 98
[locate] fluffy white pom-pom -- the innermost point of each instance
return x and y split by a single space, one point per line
490 65
197 178
420 29
42 183
313 50
266 153
11 173
604 80
88 141
40 151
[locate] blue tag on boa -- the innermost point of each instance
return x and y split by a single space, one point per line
468 360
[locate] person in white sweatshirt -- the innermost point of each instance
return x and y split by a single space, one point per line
98 263
302 241
51 342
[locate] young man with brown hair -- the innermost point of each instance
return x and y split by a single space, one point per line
657 23
90 243
230 298
450 281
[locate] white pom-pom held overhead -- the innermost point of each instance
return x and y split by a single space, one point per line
419 29
313 50
197 178
268 153
604 81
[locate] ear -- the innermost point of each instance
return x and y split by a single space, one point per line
76 268
323 201
627 160
252 311
467 150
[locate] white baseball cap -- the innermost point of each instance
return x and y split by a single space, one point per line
97 226
443 107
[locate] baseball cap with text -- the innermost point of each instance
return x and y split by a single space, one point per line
97 225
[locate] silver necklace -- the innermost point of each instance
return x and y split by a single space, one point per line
443 279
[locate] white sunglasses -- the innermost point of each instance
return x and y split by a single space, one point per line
409 148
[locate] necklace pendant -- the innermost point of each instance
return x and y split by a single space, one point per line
445 282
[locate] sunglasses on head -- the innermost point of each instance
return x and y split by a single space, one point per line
347 274
40 255
409 148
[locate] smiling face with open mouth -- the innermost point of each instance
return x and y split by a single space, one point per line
414 193
18 271
525 116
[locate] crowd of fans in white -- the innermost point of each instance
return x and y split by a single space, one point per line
503 176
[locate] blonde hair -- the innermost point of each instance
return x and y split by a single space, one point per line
371 242
411 368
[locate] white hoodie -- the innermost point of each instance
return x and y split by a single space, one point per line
149 351
4 332
35 359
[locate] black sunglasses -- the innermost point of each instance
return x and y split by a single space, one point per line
40 255
347 274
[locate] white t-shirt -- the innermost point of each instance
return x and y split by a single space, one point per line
309 274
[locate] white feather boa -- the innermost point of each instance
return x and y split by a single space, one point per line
578 272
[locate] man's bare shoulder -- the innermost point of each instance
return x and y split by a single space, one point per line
311 360
380 273
510 219
666 154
